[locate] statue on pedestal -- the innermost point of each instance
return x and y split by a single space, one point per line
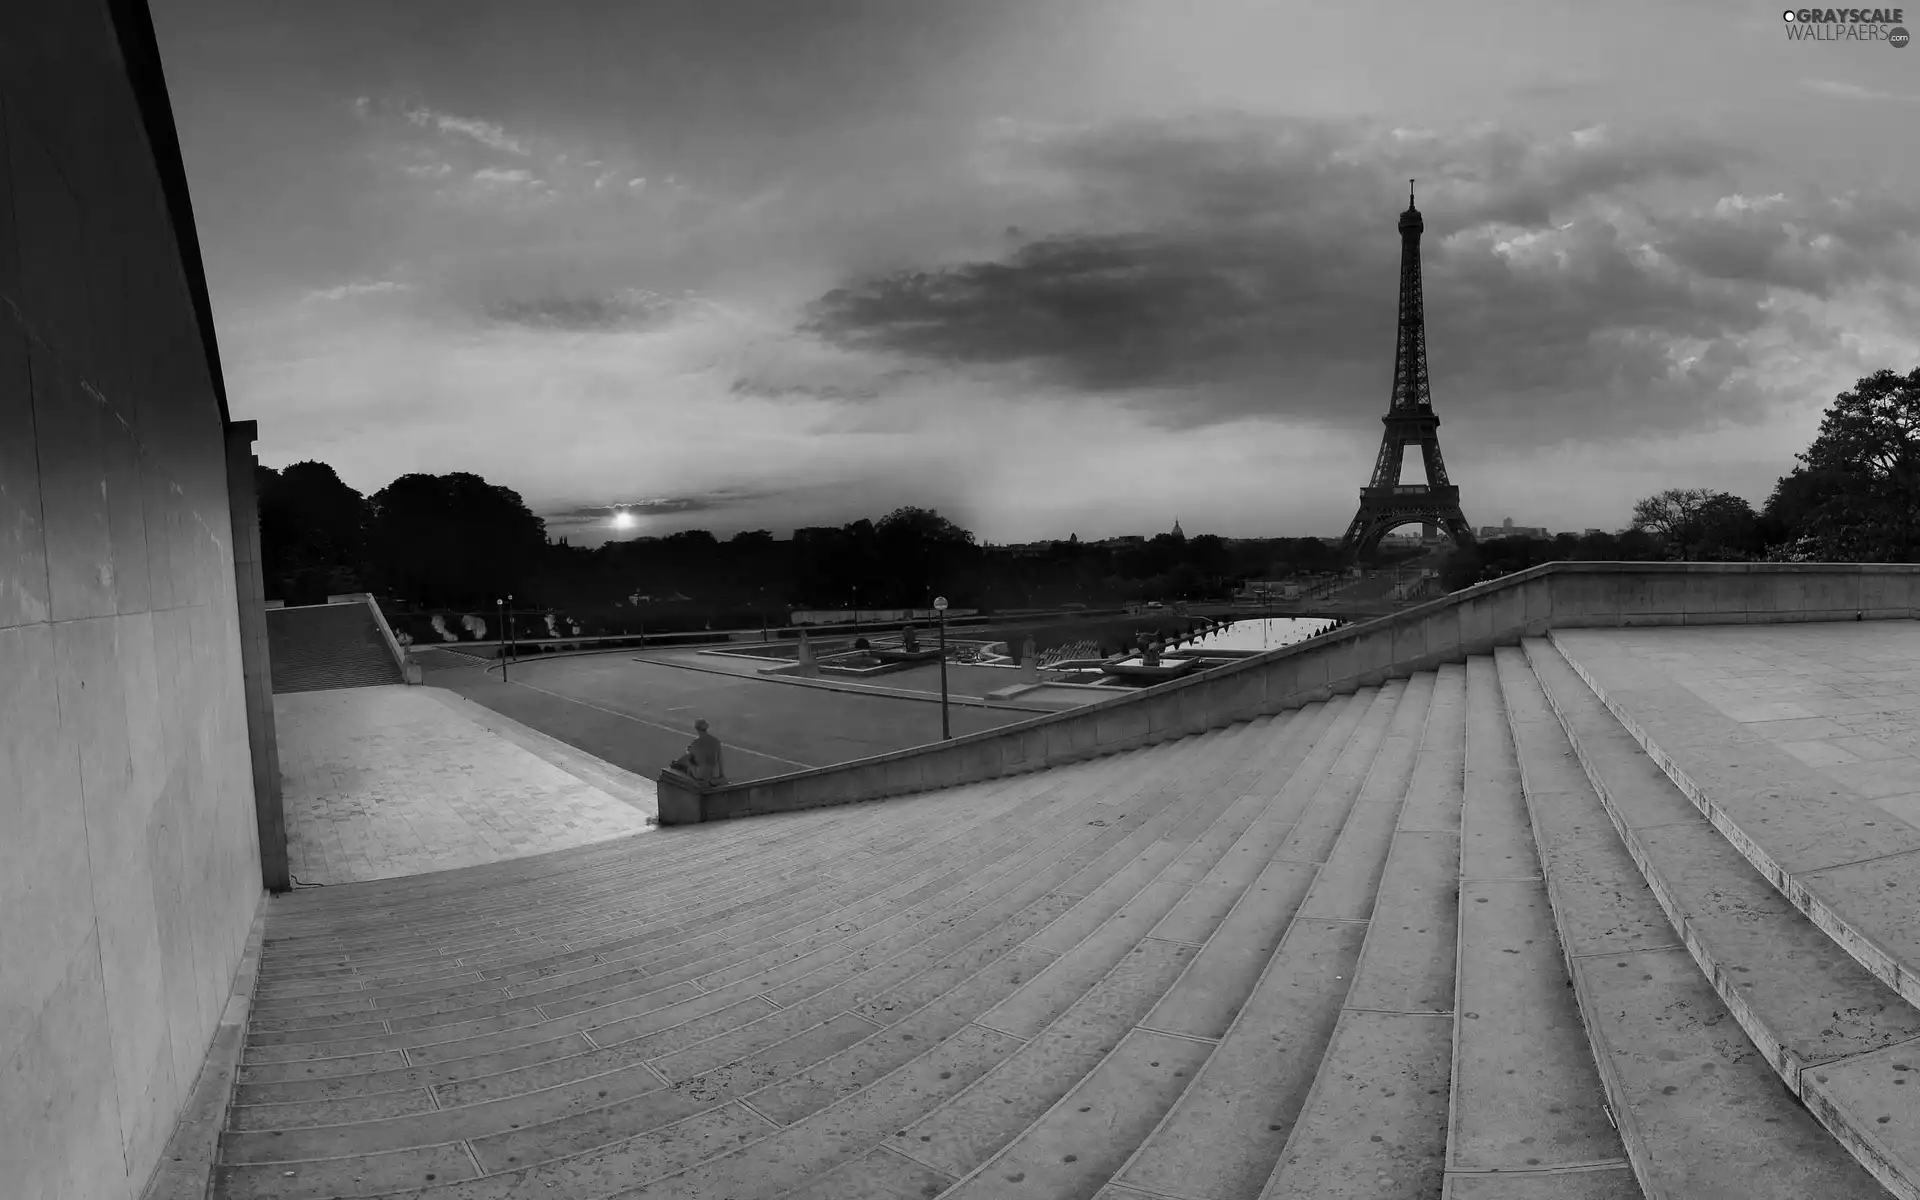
909 638
1151 657
703 760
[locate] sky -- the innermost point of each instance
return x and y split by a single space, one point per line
1048 266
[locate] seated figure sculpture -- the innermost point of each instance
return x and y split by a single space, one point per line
909 638
703 761
1151 657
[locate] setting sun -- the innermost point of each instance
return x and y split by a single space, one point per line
623 520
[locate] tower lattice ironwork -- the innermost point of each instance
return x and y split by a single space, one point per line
1386 503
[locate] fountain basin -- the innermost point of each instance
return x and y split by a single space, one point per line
897 655
1135 668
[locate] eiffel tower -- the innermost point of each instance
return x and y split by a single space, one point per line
1386 503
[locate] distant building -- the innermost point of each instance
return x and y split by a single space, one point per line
1268 589
1507 528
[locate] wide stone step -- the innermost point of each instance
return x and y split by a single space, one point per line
1224 1133
1847 863
522 889
1527 1103
740 879
503 922
1384 1071
400 1166
1016 890
371 1172
1699 1109
992 1111
735 925
647 1000
337 645
936 1120
1831 1029
1078 1144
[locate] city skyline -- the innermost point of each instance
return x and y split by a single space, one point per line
1047 268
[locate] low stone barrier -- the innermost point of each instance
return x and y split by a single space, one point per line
1560 595
409 670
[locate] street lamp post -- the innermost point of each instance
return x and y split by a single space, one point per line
501 605
940 606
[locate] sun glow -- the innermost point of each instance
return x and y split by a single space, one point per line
623 520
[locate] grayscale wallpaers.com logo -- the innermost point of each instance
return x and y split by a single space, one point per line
1847 25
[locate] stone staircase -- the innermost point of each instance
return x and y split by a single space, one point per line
328 646
1457 935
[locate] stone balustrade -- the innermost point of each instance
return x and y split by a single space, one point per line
1560 595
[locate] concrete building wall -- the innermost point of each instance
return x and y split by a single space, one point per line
129 866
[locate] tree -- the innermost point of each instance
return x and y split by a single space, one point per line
1856 495
916 551
313 532
1697 521
456 539
1461 567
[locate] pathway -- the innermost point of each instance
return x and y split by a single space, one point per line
380 782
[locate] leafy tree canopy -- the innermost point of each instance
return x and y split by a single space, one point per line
1855 497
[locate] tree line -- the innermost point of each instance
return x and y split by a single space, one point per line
1852 496
456 541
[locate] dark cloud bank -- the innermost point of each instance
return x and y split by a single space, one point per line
1250 265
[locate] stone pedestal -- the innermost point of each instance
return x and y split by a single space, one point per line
679 797
1030 669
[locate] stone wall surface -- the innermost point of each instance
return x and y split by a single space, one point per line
129 865
1563 595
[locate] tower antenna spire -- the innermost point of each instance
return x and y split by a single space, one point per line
1409 193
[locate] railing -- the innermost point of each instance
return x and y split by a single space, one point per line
1499 612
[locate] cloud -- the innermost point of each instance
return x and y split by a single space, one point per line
1232 266
487 133
1814 245
465 156
1853 91
497 175
348 291
632 308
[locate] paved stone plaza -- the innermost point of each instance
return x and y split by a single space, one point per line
1840 699
387 781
